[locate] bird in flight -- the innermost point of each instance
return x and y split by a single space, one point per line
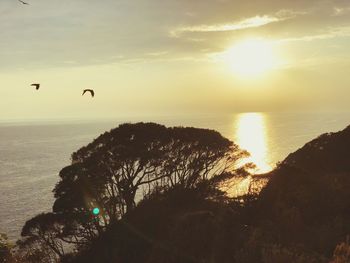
36 85
23 2
89 90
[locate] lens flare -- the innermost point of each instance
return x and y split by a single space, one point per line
96 211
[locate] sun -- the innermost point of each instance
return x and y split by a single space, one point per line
252 57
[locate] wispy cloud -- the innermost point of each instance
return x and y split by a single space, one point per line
252 22
247 23
330 33
340 11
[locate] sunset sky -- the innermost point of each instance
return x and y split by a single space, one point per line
163 58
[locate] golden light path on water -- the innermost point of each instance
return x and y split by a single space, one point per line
250 133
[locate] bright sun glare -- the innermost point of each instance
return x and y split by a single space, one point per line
252 57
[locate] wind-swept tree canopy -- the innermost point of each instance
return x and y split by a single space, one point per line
121 167
43 233
132 160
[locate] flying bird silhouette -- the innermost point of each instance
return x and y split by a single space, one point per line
23 2
36 85
89 90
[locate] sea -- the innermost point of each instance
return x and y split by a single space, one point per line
33 152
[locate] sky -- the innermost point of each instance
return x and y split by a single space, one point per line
165 58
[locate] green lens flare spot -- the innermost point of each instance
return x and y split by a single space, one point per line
96 211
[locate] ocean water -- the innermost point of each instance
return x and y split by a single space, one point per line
33 153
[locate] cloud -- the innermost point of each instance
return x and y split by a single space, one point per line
88 32
340 11
251 22
247 23
333 32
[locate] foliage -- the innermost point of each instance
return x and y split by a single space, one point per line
123 166
5 249
178 225
160 193
44 230
342 253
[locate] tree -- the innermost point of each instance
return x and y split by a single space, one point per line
197 155
122 166
44 231
108 172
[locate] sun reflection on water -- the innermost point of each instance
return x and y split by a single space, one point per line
251 135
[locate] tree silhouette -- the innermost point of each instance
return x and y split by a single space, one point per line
108 172
160 198
44 230
197 155
122 166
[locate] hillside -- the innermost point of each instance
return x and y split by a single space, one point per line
327 153
307 200
183 215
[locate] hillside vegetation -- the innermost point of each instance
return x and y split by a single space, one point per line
160 195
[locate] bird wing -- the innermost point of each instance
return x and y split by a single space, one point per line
83 92
92 93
